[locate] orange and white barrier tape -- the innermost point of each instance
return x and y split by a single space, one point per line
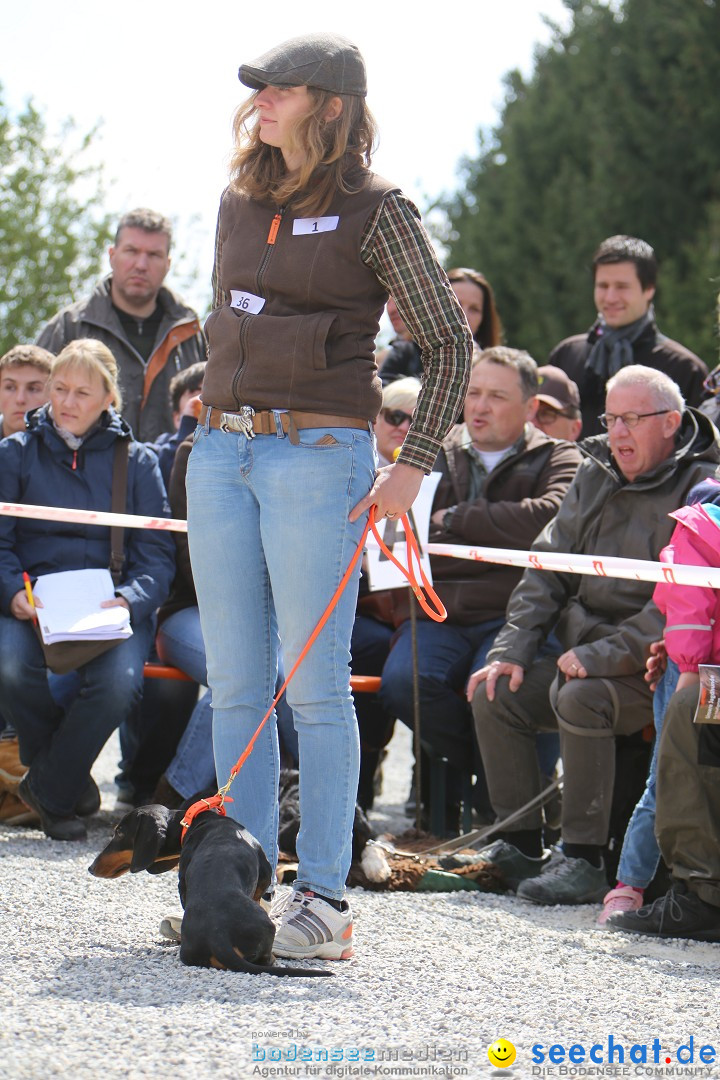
609 566
91 517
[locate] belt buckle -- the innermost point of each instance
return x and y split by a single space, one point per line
241 422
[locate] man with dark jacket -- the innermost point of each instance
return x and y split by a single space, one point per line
151 333
630 480
625 332
502 481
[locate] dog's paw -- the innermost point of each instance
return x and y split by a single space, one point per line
374 863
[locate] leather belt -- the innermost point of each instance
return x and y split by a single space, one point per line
250 423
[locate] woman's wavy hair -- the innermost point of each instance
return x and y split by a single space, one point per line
332 149
92 357
490 332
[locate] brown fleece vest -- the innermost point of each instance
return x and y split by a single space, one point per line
311 346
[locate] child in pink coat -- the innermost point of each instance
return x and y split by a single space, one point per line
692 637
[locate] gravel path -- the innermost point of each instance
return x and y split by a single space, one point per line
88 989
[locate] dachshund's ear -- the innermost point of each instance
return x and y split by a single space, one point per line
156 842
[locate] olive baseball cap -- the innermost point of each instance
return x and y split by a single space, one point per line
326 61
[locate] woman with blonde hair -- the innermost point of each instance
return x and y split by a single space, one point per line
66 458
282 473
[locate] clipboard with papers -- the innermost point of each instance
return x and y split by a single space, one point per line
71 608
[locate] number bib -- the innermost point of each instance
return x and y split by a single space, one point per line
246 301
304 226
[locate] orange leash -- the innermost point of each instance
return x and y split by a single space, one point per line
436 612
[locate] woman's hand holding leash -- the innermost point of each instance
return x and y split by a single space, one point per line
393 493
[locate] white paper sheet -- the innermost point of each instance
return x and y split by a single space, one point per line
71 607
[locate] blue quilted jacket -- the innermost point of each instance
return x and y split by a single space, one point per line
37 466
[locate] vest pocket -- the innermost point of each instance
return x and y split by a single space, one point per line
222 330
276 341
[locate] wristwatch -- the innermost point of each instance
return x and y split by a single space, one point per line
447 518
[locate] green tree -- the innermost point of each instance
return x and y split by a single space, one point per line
52 231
616 131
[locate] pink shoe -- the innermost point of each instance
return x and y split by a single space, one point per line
622 898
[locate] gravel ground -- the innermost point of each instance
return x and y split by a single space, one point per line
89 989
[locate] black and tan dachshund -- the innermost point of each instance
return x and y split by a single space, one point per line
223 874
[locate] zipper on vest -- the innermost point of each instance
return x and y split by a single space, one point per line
239 370
245 324
274 226
269 245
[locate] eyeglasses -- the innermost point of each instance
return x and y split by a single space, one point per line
395 417
629 419
547 415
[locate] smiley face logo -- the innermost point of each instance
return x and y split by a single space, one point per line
501 1053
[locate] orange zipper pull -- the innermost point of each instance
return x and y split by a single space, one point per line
74 463
274 226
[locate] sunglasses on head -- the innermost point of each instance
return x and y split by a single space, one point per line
395 417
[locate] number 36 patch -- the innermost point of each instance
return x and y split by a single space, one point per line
246 301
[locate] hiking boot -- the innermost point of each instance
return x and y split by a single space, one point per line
13 811
89 802
512 864
566 881
166 795
53 825
622 898
171 926
12 769
680 913
311 928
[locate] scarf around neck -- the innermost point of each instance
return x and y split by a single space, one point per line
613 349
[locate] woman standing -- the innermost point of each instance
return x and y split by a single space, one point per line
282 472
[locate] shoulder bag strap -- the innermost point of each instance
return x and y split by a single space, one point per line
119 495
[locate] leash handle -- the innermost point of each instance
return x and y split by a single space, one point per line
437 612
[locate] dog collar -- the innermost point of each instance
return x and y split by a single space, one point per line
215 803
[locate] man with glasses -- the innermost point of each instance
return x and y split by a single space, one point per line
654 451
558 412
625 332
501 481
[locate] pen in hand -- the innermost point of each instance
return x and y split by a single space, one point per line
29 594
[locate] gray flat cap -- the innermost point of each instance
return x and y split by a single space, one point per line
327 61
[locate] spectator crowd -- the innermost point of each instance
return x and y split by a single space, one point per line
607 449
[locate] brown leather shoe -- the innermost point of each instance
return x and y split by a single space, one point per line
11 768
13 811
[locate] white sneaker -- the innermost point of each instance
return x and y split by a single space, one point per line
311 928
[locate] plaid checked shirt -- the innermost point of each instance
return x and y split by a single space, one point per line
398 250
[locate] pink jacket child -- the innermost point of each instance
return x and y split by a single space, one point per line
692 612
692 637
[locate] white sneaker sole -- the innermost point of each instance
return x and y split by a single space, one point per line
325 950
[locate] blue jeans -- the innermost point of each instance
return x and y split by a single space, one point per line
269 542
60 744
180 643
192 769
640 853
